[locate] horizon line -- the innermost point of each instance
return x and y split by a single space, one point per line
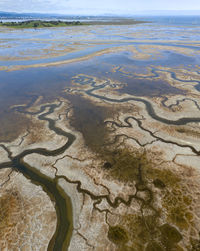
188 12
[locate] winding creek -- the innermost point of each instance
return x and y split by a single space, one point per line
61 238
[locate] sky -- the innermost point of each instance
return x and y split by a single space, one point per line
96 7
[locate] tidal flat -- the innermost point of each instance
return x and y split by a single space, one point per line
99 138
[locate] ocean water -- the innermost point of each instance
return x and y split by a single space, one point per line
172 20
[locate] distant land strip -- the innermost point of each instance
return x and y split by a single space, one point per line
39 24
58 23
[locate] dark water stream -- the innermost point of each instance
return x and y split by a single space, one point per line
63 233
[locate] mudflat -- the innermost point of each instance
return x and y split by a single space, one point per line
99 138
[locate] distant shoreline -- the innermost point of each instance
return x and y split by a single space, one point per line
38 24
57 23
117 22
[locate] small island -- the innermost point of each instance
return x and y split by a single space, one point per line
39 24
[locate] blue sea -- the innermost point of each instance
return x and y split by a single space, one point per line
172 20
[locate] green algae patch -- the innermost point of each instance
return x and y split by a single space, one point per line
177 216
154 246
177 203
170 233
145 229
107 165
170 236
117 235
141 229
162 175
176 198
125 165
159 183
12 211
194 244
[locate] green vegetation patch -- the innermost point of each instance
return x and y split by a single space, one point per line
125 164
141 229
117 235
146 232
38 24
159 183
194 244
162 176
178 203
154 246
170 235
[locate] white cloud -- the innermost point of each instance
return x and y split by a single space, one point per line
33 5
94 6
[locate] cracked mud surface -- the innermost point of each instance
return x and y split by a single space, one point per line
108 159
